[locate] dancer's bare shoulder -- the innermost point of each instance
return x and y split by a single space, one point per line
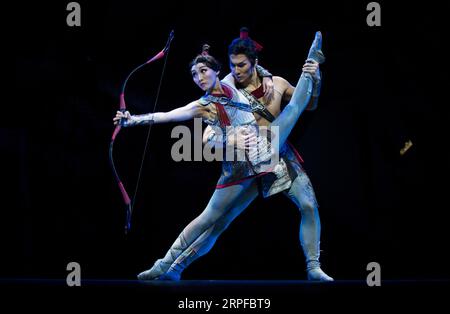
283 88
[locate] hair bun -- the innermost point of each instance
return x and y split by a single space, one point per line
243 33
205 49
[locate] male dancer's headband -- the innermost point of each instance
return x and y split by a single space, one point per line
244 35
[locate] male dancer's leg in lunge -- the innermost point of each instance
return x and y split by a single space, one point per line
302 194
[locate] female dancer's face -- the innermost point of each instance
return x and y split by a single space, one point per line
204 76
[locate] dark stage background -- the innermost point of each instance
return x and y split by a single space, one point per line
382 86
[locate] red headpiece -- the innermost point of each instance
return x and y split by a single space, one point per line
244 35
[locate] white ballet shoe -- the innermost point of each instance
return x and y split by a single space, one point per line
317 274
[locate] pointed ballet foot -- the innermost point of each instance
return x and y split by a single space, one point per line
147 275
153 273
317 274
315 51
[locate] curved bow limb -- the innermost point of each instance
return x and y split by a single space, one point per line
122 107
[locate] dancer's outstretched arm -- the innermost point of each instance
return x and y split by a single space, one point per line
190 111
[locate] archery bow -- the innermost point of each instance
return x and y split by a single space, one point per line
122 107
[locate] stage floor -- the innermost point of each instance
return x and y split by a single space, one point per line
228 295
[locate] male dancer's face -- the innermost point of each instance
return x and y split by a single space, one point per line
204 76
241 69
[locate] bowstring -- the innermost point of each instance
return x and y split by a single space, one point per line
149 130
